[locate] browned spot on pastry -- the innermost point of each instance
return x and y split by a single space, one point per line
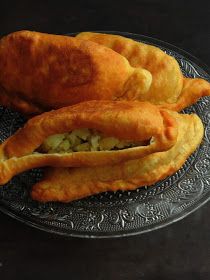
118 47
73 68
23 47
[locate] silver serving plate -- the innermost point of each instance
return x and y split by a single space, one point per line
116 214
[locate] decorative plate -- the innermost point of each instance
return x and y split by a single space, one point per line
119 213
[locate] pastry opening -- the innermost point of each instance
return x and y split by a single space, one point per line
85 139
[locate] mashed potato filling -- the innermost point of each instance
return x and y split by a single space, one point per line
80 140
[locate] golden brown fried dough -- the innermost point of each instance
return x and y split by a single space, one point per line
39 72
192 90
167 79
16 102
135 121
67 184
169 88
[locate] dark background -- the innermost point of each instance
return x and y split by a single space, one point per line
180 251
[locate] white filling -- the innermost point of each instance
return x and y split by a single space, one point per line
85 140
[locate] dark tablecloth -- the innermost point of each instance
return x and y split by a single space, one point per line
179 251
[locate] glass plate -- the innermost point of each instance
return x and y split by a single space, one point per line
116 214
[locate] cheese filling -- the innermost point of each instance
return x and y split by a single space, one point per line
80 140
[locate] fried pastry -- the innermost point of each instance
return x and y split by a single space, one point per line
68 184
88 134
39 72
169 88
192 90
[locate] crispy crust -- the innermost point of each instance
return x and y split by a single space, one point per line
169 88
193 89
67 184
39 72
16 102
137 121
167 79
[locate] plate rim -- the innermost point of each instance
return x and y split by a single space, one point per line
108 235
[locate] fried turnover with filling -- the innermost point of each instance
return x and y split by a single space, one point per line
91 133
169 88
68 184
39 72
